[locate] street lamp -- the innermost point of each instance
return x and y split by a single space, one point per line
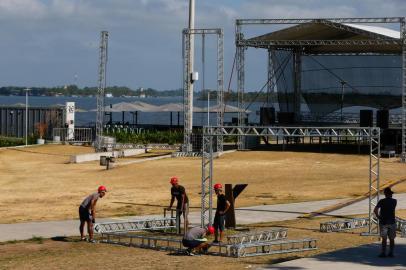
26 115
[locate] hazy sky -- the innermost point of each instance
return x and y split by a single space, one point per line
55 42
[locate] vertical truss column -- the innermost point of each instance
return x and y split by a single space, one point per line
207 180
220 87
187 102
403 38
297 62
271 77
100 91
374 156
240 83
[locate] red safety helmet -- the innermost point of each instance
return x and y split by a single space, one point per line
174 180
210 229
102 188
218 186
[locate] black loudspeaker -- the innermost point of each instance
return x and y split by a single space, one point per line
234 121
286 118
366 118
266 116
382 119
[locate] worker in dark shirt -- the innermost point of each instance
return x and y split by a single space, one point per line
219 218
87 212
182 207
385 212
194 239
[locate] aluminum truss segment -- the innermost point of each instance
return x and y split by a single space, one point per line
240 65
258 43
264 236
292 131
373 198
276 247
334 20
187 93
220 88
207 181
401 226
100 91
344 225
143 241
133 226
403 37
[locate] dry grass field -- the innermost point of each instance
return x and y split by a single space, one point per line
37 183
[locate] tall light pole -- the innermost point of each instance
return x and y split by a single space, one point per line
26 115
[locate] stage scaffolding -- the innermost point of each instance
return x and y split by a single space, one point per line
369 136
374 44
187 78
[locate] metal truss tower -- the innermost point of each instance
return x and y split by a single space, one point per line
187 93
101 87
403 39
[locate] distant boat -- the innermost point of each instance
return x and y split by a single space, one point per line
109 95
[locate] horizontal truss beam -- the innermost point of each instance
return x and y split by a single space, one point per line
264 236
213 31
401 226
276 247
133 226
331 132
268 43
143 241
344 225
335 20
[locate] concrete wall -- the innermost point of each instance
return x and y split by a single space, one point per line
96 156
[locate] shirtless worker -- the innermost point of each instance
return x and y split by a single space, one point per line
87 212
182 207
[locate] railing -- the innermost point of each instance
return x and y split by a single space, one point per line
83 135
349 118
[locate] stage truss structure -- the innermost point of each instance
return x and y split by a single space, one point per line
366 135
104 35
297 47
187 78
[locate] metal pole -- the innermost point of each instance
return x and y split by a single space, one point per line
26 115
191 66
342 98
208 108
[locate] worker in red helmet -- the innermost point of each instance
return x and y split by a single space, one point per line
178 192
87 212
194 240
219 218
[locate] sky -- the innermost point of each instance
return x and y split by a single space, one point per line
55 42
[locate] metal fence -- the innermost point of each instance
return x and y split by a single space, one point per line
80 135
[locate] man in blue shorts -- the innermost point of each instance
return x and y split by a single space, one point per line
385 212
219 217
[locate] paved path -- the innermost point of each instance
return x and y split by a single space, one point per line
358 258
246 215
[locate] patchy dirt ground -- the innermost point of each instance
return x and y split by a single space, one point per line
69 253
38 183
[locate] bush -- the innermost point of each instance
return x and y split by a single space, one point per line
11 141
147 137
